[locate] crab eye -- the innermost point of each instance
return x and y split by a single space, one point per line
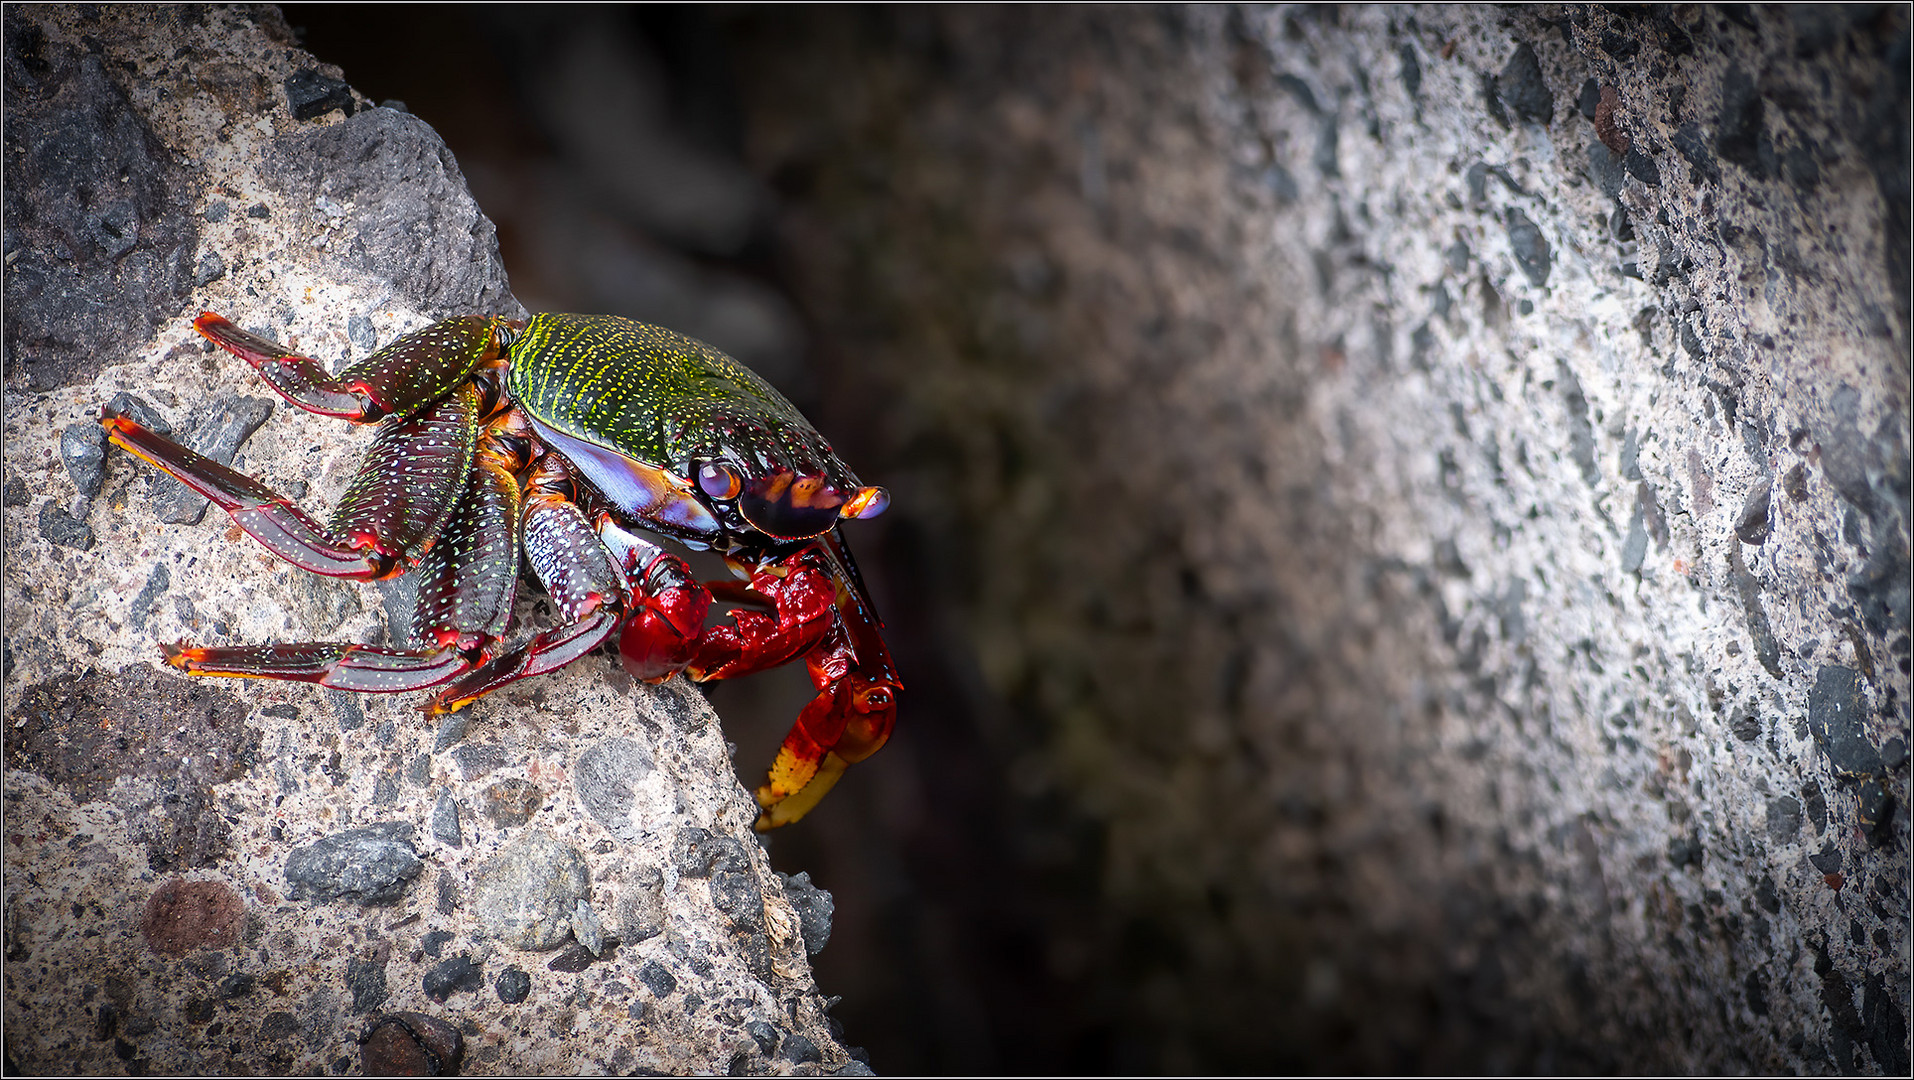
867 503
719 480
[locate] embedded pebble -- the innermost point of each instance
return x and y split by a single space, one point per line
410 1044
1837 715
59 527
572 961
641 907
737 896
445 821
799 1050
366 980
451 731
526 896
448 977
1751 525
513 985
699 854
587 928
606 778
83 449
814 907
657 979
764 1035
211 268
435 941
186 916
368 865
512 802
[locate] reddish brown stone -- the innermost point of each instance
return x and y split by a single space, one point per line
410 1044
1606 127
186 916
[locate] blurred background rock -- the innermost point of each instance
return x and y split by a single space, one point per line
1279 406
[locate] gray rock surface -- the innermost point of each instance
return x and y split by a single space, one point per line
1326 445
526 894
155 821
368 865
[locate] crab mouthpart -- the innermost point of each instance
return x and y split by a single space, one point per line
787 506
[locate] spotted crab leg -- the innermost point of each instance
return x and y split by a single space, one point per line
466 583
402 379
391 514
580 576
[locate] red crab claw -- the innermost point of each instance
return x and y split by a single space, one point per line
661 633
823 614
801 598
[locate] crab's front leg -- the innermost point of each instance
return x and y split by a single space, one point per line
822 613
402 379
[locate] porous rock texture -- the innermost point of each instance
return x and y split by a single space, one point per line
1416 502
165 160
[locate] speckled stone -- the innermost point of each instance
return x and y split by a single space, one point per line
368 865
526 895
183 916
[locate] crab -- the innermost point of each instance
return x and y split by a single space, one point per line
562 437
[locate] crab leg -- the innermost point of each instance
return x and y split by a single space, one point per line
402 379
465 599
579 575
392 512
369 669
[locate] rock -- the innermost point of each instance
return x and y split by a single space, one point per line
641 909
59 527
445 821
456 270
1751 524
765 1035
83 449
218 431
1837 714
606 778
185 916
815 909
410 1044
311 95
513 985
1529 246
99 241
511 802
365 978
1521 85
370 865
527 895
448 977
656 979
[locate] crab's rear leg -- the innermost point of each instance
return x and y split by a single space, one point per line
464 602
391 514
401 379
